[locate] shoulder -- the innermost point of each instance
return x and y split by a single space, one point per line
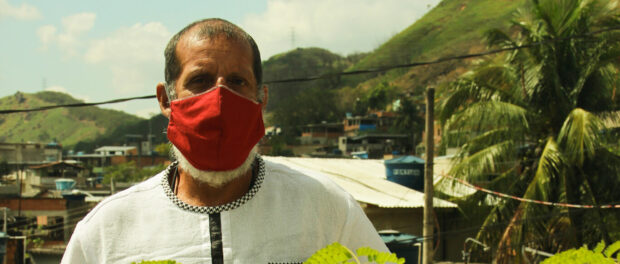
125 199
305 188
295 179
122 205
318 197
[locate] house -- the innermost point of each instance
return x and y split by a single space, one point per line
377 121
39 178
116 151
30 153
321 134
388 205
375 145
50 220
113 155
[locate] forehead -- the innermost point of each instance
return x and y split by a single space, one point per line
192 46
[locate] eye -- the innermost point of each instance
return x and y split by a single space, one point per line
237 81
202 80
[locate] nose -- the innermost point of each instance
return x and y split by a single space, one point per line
220 81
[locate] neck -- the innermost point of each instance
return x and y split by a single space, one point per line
197 193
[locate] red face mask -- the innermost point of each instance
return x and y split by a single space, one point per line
215 130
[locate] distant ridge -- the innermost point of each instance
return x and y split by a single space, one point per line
67 126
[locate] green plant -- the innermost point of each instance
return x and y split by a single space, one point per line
529 124
600 254
156 262
37 242
337 253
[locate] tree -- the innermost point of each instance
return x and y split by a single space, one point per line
129 172
408 121
533 127
311 106
380 96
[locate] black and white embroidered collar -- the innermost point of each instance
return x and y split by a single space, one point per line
255 186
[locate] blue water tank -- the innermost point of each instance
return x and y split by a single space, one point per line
407 171
64 184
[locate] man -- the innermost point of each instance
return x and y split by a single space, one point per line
219 202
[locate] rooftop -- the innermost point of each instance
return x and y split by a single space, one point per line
365 180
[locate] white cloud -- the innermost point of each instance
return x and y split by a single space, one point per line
343 26
134 56
46 34
138 43
22 12
61 89
148 112
56 88
78 23
73 27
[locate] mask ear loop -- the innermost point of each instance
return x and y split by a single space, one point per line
175 180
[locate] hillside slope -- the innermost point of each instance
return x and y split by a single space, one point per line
67 126
453 27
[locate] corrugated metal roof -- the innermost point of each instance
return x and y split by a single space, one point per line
115 148
365 180
441 166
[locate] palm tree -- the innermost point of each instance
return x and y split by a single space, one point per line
533 125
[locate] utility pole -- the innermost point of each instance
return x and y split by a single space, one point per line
427 253
292 38
4 220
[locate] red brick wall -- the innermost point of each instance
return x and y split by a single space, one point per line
144 160
34 204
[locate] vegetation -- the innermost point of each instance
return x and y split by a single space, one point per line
339 254
129 172
156 262
600 254
532 127
453 27
299 103
163 149
67 126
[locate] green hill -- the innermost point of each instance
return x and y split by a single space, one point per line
453 27
67 126
300 63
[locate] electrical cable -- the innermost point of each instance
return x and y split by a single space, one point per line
508 196
332 75
31 221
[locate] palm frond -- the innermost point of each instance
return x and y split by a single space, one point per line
549 165
610 119
490 160
579 137
497 38
485 115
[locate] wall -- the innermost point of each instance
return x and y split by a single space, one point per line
410 221
143 161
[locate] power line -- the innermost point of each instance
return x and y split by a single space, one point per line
346 73
12 111
508 196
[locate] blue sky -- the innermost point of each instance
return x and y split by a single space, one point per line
103 50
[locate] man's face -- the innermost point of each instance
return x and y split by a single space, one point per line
214 61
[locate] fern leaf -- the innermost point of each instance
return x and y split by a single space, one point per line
611 249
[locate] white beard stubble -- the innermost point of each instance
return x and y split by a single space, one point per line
214 179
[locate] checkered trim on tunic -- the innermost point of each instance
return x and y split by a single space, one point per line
256 184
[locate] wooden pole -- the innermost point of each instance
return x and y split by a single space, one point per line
427 253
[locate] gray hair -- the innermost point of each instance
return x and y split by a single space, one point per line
209 28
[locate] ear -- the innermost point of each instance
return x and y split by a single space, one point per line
265 96
164 102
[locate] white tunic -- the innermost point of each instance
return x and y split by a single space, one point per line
284 218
